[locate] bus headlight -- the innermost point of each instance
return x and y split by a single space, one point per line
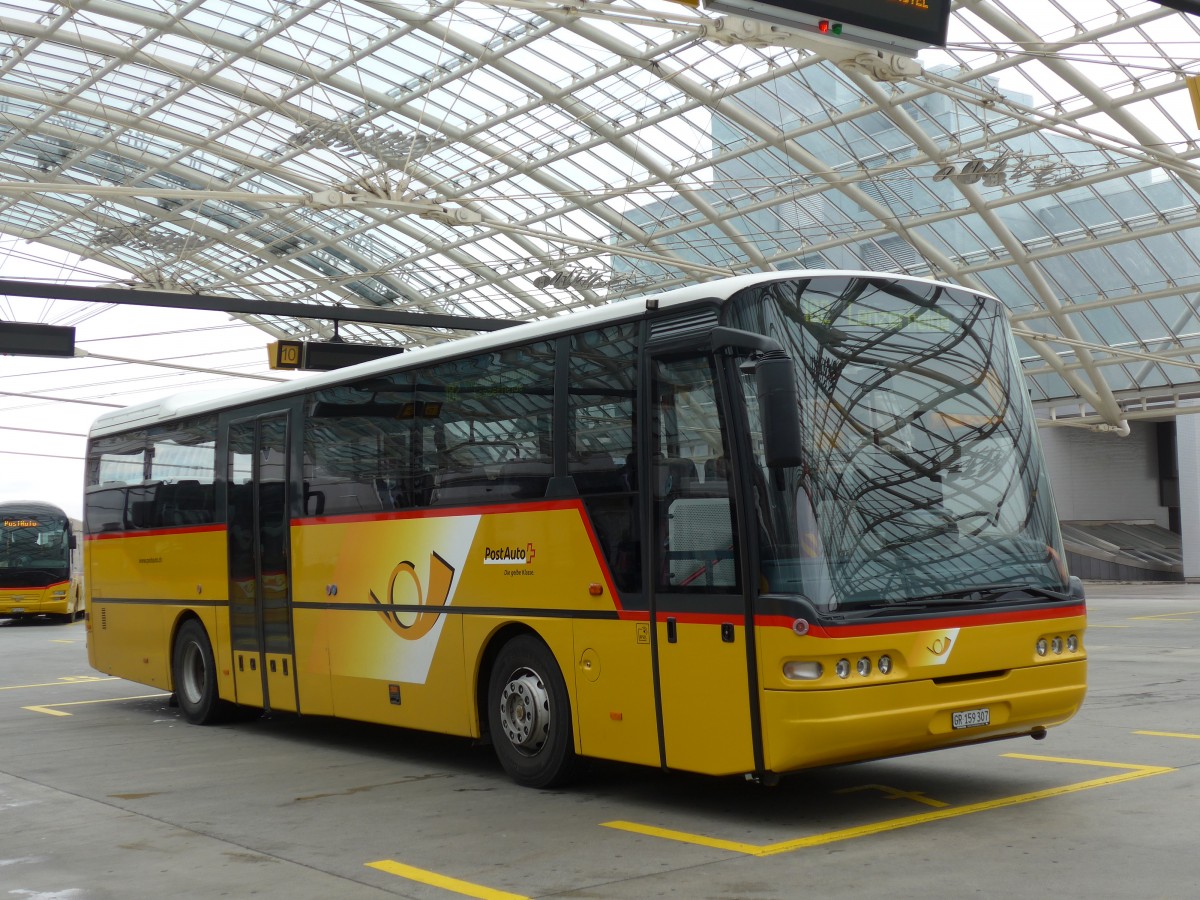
802 670
843 668
864 667
885 665
1072 643
1056 645
1042 647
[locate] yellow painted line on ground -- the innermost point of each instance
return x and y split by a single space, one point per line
1168 616
424 876
1129 773
1174 734
70 679
892 793
52 709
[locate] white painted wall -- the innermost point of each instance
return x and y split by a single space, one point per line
1097 477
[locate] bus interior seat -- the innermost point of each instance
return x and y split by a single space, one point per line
190 503
526 479
599 473
716 468
516 480
673 475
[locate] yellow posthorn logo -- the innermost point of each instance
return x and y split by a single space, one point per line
413 626
934 648
940 645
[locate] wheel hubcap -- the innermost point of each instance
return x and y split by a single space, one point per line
525 711
192 675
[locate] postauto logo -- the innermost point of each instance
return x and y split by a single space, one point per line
509 556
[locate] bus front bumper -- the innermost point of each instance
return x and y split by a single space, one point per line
34 602
810 728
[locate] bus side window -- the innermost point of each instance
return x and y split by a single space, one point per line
601 452
694 516
105 509
358 447
495 425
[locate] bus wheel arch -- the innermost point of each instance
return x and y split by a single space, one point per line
194 674
528 710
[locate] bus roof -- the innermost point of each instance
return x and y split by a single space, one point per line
193 403
30 508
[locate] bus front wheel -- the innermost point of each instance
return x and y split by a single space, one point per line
529 715
194 672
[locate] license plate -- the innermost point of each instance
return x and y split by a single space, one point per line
971 718
17 609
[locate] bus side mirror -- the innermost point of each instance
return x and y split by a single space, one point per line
71 541
779 406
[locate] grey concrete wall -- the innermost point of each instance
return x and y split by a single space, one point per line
1188 446
1097 477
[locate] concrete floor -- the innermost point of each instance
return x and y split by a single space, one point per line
106 793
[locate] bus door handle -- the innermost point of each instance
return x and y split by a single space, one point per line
672 630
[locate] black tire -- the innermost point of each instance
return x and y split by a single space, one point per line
194 676
529 715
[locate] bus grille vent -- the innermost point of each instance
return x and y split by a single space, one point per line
677 326
972 676
103 618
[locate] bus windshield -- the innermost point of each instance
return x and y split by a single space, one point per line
34 549
921 482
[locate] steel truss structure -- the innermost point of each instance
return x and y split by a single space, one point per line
518 160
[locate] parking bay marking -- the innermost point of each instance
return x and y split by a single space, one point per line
1170 734
1129 772
1169 617
424 876
892 793
52 709
68 679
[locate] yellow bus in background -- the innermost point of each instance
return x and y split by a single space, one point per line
40 563
742 528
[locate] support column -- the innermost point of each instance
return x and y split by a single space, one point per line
1187 446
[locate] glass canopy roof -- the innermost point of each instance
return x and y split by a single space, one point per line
521 159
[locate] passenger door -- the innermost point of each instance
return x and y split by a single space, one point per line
698 605
258 506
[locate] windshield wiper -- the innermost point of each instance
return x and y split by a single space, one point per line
992 591
962 598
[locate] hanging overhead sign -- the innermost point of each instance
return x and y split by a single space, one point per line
905 25
35 339
322 356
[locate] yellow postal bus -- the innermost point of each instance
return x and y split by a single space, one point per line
40 567
746 527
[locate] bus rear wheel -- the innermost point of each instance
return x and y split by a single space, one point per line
194 673
529 715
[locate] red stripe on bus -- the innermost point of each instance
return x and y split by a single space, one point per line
603 563
490 510
153 532
34 587
926 624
